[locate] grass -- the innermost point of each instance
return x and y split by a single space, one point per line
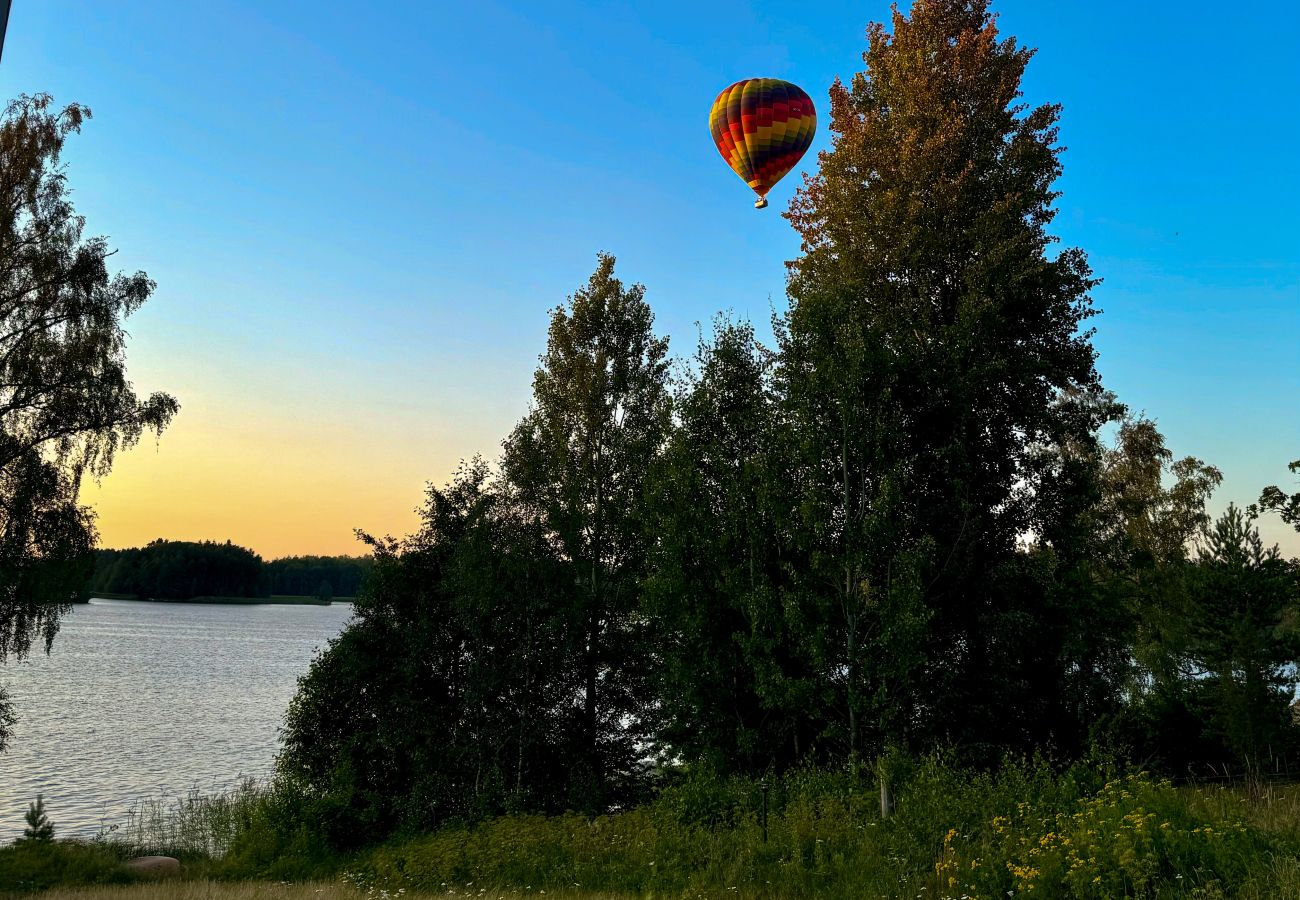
1027 830
1023 832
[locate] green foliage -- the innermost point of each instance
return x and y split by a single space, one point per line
66 407
451 695
303 575
1275 499
268 832
577 465
185 570
39 827
732 691
495 661
29 866
1242 639
1027 828
1133 838
930 342
181 570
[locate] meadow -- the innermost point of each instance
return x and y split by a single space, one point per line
1027 830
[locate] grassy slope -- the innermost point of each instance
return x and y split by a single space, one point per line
1025 830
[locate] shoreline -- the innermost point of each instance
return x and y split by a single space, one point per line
274 600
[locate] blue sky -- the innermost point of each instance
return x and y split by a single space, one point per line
359 215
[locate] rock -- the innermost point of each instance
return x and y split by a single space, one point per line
154 865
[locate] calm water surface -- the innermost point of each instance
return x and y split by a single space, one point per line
151 700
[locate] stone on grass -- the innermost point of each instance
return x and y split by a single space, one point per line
154 865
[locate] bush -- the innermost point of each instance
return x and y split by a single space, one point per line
1134 837
36 865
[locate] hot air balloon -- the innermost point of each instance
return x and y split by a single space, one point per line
762 127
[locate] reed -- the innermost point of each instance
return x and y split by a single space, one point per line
197 825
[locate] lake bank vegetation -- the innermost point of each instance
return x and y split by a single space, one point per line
906 605
1028 828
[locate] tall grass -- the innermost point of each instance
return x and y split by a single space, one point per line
198 825
1025 831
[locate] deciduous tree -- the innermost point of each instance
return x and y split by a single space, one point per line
929 339
579 460
733 690
66 406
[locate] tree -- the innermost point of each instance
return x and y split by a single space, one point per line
732 689
579 461
1123 517
1150 516
451 695
66 407
39 827
1275 499
929 341
181 570
301 575
1242 640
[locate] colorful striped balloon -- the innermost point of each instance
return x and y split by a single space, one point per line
762 127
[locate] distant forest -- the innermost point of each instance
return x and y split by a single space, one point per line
182 570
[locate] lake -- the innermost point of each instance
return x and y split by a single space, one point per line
150 701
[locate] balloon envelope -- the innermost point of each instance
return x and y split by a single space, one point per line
762 126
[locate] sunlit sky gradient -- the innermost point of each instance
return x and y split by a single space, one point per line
358 216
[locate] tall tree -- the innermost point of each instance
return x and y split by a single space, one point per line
732 688
1242 640
579 459
1120 520
929 339
66 406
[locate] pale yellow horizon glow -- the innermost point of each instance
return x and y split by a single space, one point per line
280 488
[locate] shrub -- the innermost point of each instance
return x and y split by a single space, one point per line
1135 837
36 865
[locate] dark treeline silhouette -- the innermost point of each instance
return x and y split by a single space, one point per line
317 576
182 570
899 529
